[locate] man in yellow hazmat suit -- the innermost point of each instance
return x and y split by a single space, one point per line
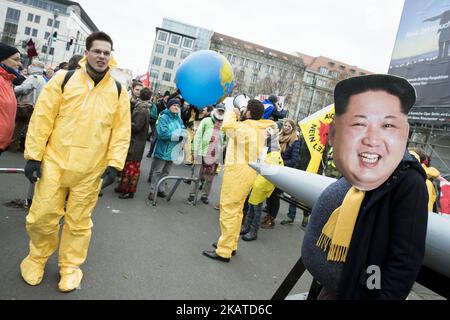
79 133
246 142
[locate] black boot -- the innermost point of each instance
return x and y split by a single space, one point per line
251 235
244 229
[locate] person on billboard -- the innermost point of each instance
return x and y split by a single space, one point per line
444 33
366 234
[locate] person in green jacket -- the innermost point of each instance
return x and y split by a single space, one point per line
207 151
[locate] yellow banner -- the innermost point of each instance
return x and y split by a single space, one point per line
315 130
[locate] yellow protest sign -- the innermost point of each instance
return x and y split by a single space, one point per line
315 130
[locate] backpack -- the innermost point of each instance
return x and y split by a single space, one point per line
69 75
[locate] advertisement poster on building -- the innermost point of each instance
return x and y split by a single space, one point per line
421 55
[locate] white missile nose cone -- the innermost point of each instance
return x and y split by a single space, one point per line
256 166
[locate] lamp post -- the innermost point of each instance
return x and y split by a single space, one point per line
50 42
313 93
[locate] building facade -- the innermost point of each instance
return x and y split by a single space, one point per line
58 28
262 71
174 41
320 78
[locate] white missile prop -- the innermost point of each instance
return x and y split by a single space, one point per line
306 187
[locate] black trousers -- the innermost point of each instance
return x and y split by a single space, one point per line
273 203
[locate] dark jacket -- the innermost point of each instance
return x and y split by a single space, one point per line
139 130
291 155
389 233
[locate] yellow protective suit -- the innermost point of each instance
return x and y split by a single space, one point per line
75 135
432 173
263 188
245 144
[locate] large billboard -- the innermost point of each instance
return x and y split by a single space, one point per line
421 55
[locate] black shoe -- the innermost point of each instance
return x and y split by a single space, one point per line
213 255
251 235
191 198
129 195
161 194
204 199
233 253
244 230
305 222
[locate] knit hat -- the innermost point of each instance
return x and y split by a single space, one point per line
172 102
220 106
273 98
6 51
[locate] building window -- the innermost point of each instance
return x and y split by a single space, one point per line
156 61
56 24
184 54
52 51
50 23
175 39
254 78
162 36
334 74
159 48
229 56
309 79
322 83
167 76
362 73
259 66
272 68
172 52
27 31
44 49
154 75
323 70
169 64
37 19
30 17
187 43
9 34
242 61
68 46
233 59
13 15
35 33
47 34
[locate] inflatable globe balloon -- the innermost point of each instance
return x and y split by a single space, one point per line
204 78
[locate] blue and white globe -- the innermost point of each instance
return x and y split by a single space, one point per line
205 78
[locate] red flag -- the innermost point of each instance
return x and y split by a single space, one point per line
145 79
31 49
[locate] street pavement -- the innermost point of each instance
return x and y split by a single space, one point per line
139 251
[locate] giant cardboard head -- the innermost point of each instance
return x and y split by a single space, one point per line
370 131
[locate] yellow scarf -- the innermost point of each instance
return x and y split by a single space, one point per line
338 230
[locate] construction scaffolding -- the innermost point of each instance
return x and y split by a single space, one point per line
435 141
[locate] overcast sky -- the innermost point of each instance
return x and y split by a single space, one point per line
356 32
